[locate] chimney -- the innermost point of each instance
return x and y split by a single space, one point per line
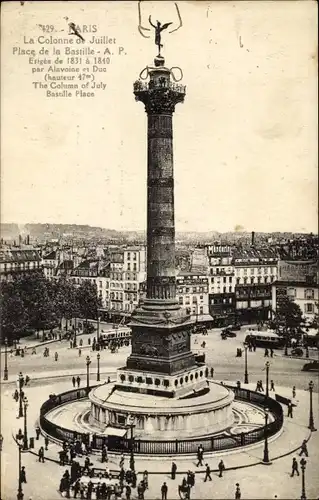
252 238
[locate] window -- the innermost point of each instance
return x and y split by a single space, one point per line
194 289
245 271
128 256
201 310
230 289
194 299
309 294
180 299
134 256
134 266
230 279
237 281
259 270
128 266
245 281
187 301
252 270
309 308
224 289
291 292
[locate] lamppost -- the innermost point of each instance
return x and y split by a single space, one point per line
311 425
246 369
132 458
266 460
5 371
20 494
267 365
21 382
303 485
98 367
74 342
98 331
88 362
25 435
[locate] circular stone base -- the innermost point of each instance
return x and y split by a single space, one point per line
160 418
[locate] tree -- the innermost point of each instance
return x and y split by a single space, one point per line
65 299
14 315
288 315
88 301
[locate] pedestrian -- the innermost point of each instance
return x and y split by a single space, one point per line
289 414
27 379
16 395
164 491
304 449
41 454
294 468
207 473
122 461
294 392
89 490
1 441
37 432
237 492
73 381
81 342
173 470
266 355
212 372
200 455
80 351
221 468
140 491
78 380
121 476
108 380
56 356
128 492
261 386
134 479
257 386
272 386
76 488
23 477
271 353
145 479
104 454
46 443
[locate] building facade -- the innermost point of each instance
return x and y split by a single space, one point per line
298 280
192 294
255 271
16 262
222 304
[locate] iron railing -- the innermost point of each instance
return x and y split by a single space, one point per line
167 447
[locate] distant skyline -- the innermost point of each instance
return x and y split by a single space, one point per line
245 140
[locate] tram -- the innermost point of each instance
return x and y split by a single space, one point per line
267 338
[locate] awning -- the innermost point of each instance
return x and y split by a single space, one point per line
202 317
115 431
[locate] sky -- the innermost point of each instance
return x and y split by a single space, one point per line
245 139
